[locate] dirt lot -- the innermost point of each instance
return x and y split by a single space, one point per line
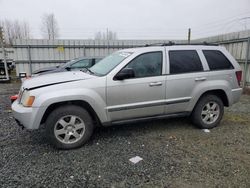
175 154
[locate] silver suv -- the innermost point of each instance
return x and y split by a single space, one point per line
128 86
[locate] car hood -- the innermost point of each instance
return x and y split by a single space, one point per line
45 70
56 78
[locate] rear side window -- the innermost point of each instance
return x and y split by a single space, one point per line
184 61
217 60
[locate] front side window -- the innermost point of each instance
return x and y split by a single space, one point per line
217 60
148 64
107 64
184 61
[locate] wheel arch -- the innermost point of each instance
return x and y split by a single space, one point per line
219 93
80 103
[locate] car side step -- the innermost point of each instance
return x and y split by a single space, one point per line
143 119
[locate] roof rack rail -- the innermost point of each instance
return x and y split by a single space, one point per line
171 43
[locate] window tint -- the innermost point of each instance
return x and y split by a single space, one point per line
81 64
217 60
148 64
184 61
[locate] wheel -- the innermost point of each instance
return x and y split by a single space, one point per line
208 112
69 127
2 72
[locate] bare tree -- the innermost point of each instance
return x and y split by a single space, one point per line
26 30
98 35
49 27
7 28
15 30
108 35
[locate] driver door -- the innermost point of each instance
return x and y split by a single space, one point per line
140 96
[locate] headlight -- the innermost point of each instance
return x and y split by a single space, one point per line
26 99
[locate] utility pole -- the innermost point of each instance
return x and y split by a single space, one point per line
2 43
189 35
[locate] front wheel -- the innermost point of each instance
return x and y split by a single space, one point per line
208 112
69 127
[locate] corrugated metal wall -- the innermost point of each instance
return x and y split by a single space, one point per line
34 54
238 44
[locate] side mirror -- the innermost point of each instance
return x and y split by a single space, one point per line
125 74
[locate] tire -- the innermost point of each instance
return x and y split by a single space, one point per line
69 127
208 112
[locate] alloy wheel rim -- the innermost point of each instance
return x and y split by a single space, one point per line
69 129
210 112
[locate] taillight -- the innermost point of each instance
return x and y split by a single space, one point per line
238 76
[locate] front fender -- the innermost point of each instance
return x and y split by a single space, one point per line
94 99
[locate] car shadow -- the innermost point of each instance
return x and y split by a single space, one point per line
124 131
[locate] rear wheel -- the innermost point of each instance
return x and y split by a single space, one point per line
208 112
69 127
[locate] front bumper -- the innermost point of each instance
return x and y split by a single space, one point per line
27 117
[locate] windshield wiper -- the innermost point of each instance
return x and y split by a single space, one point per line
91 72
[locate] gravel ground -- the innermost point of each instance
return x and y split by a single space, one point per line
175 154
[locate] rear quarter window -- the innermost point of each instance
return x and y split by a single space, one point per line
217 60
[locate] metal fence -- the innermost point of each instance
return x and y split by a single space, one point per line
34 54
238 44
30 55
240 49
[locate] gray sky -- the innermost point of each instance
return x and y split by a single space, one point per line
132 19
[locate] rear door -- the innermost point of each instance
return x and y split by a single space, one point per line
185 75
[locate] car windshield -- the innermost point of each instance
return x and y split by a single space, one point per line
107 64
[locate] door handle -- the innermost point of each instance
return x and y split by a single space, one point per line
200 79
155 84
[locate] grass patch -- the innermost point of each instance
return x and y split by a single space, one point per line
237 118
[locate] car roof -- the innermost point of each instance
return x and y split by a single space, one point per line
174 47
